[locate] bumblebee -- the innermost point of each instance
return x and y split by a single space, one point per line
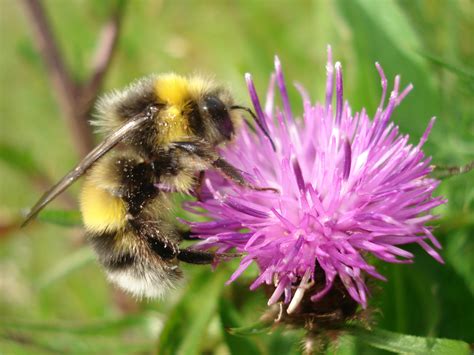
161 135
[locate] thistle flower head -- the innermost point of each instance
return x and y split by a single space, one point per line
348 186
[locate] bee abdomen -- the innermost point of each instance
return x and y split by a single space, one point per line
126 220
131 264
101 211
122 262
112 253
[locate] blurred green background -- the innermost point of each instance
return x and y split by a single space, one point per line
53 295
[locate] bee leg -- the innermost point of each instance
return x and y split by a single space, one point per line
192 256
186 235
165 248
197 148
233 174
225 168
198 189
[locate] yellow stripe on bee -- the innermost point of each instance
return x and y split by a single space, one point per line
173 89
101 211
172 126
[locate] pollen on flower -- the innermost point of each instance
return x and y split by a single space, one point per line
349 186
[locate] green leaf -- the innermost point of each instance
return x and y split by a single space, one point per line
104 327
285 341
388 17
15 344
345 345
230 319
253 329
395 44
427 298
189 320
19 159
23 343
79 337
67 265
464 74
401 343
85 338
66 218
459 252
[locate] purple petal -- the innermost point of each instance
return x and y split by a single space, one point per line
347 185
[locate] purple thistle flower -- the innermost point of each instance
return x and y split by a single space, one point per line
348 187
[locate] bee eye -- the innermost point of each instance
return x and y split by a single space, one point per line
219 115
214 107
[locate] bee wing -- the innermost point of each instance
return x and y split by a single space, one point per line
108 143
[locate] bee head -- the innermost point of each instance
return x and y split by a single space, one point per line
217 119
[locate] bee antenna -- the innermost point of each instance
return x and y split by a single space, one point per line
257 121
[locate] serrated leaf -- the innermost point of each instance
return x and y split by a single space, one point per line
65 218
409 344
230 319
189 320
